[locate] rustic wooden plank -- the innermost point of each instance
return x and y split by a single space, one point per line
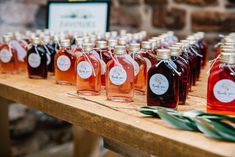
86 143
116 121
4 128
124 149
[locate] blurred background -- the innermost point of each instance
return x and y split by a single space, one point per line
33 131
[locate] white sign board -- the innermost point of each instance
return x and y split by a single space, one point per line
84 16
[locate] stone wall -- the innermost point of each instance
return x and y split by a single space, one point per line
155 16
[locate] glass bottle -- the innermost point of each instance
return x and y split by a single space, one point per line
104 56
50 49
88 72
8 56
21 47
65 64
120 77
163 82
221 87
77 47
111 45
148 55
140 69
37 60
182 67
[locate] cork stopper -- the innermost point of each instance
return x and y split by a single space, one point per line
101 44
87 47
36 40
65 43
134 47
122 41
146 45
163 54
120 49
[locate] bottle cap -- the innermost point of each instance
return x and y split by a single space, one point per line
163 54
6 38
122 41
134 47
87 47
112 43
227 50
146 45
65 43
86 39
175 51
78 41
228 58
36 40
178 45
101 44
122 32
120 49
46 39
114 34
153 42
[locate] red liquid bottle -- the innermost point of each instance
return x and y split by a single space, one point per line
140 69
163 82
183 68
148 55
8 56
88 72
120 77
104 56
65 65
37 60
77 47
203 46
221 87
111 45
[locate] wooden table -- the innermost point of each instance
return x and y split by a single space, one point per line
124 129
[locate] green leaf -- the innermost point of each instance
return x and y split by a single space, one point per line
177 121
149 112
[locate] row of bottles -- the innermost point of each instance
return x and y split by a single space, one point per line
221 81
123 63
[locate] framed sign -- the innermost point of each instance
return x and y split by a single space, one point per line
81 16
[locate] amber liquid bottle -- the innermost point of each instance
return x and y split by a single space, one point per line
140 69
105 56
148 54
163 82
50 49
221 87
88 72
65 65
8 56
37 60
182 67
120 77
111 45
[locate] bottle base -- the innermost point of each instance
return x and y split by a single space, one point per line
120 99
37 77
88 93
139 92
220 110
64 83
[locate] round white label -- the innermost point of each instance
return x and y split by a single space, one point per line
103 67
136 68
158 84
48 59
224 90
34 60
84 69
63 63
148 63
117 75
5 56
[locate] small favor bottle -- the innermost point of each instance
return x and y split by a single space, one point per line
148 54
105 56
184 77
8 56
120 77
21 47
88 72
221 87
111 45
50 49
65 64
140 69
37 60
163 82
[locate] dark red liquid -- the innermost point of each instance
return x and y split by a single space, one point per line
171 97
41 70
195 48
51 53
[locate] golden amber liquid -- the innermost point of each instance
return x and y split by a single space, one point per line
69 76
140 80
125 91
91 85
12 66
